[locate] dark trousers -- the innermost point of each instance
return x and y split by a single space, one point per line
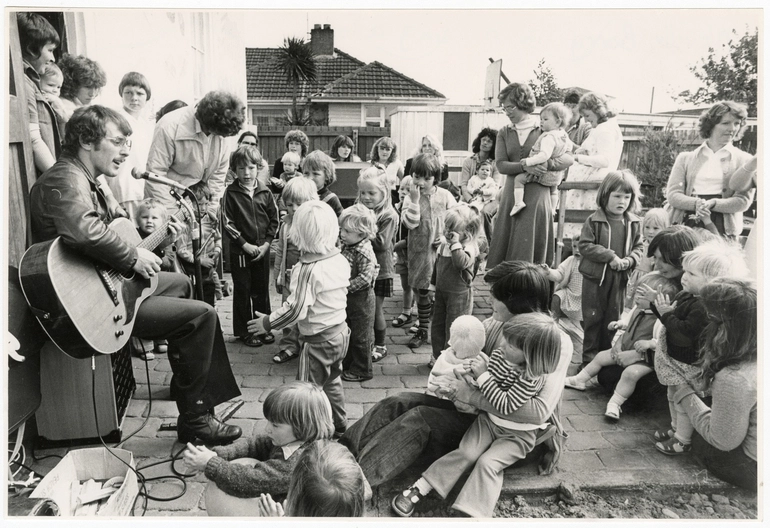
196 349
731 466
251 289
447 307
602 304
400 430
360 319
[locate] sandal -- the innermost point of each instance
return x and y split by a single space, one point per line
661 435
268 338
379 353
283 356
402 319
672 446
252 340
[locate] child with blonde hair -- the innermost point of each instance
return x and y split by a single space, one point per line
358 227
677 337
551 144
374 193
610 245
319 167
637 327
326 482
296 192
290 162
481 186
566 300
424 210
317 302
454 272
653 221
468 338
385 155
508 379
297 415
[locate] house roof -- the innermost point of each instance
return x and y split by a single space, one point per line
340 76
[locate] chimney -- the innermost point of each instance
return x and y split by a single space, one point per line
322 40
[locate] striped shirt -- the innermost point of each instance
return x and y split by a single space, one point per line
363 265
505 386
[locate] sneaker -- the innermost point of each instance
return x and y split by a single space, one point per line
673 447
613 411
573 383
403 504
419 339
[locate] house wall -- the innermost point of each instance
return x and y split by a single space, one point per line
345 114
183 54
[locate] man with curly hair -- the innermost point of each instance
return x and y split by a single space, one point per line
188 146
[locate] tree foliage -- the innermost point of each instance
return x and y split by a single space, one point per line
658 151
730 75
297 61
544 85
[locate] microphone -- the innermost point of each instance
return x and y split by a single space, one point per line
149 176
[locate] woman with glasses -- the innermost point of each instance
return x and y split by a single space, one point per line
529 235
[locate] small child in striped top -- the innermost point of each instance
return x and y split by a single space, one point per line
509 378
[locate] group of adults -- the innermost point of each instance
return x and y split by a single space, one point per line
414 429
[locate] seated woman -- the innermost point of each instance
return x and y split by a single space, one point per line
698 186
726 442
430 145
666 249
399 430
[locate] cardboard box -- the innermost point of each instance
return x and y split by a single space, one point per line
93 463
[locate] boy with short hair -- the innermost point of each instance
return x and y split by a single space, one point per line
210 246
251 223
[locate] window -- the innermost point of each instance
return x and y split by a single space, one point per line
374 116
456 129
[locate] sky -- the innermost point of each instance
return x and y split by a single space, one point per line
624 53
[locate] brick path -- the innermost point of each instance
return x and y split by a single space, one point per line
599 454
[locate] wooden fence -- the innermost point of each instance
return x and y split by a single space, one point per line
272 146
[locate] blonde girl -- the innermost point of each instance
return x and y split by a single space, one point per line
509 378
610 245
385 155
374 193
297 414
654 221
454 273
358 226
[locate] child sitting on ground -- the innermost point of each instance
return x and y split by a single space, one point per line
317 302
653 221
326 482
290 162
466 341
210 246
551 144
319 167
252 221
296 192
677 339
508 379
297 414
482 188
637 363
358 227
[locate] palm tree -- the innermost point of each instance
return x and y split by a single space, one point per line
296 60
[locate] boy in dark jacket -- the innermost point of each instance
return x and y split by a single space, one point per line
251 223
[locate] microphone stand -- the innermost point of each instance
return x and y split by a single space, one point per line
196 232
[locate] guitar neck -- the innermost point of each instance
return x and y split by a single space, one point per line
160 234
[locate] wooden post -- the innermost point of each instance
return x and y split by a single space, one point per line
355 143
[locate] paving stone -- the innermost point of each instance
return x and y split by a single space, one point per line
627 439
163 409
262 381
416 359
253 394
591 407
250 410
580 462
236 357
131 425
364 395
158 393
591 423
151 447
186 502
254 369
136 408
579 441
382 382
284 369
569 408
401 370
354 410
624 459
162 365
157 378
415 382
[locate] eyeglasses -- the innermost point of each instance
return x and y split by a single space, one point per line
119 141
508 108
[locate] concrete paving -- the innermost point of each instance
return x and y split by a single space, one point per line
598 454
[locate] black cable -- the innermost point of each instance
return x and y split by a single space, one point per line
22 465
149 411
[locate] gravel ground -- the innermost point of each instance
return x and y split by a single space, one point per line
639 504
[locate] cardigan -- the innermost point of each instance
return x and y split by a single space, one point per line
270 475
680 188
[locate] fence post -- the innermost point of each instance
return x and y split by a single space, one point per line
355 140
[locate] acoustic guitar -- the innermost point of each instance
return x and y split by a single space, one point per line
85 306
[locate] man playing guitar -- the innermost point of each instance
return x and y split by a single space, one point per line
66 202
